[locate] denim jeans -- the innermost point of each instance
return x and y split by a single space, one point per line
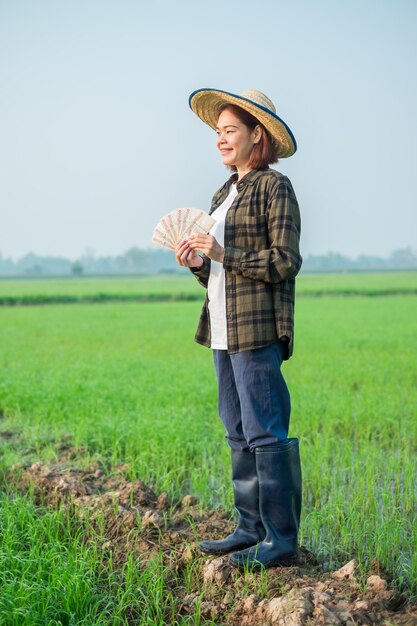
254 401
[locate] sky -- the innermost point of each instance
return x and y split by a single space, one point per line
97 141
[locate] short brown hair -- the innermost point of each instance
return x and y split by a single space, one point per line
264 152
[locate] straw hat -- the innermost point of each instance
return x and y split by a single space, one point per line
206 103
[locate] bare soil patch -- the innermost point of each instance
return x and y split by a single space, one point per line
138 521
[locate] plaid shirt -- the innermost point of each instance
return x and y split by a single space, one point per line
261 259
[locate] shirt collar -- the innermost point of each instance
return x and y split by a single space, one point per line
248 179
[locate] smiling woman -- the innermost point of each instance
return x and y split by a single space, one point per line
236 141
234 123
248 263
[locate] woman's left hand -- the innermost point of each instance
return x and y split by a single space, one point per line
208 245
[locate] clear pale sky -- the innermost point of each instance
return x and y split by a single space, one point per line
97 141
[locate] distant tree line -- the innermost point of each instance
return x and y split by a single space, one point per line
402 259
133 261
153 261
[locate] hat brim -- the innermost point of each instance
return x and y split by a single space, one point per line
206 103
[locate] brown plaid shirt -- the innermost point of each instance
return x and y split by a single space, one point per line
261 260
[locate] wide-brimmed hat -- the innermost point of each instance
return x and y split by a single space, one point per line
206 103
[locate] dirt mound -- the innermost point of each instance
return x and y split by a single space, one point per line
135 518
132 518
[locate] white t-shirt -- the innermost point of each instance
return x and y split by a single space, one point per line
216 288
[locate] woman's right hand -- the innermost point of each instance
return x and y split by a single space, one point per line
186 256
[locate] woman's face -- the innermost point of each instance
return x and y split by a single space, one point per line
235 140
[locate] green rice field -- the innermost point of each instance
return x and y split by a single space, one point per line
175 286
125 383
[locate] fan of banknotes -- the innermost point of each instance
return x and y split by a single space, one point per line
179 225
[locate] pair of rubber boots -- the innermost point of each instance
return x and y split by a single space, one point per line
267 491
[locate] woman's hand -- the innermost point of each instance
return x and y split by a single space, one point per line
186 256
208 245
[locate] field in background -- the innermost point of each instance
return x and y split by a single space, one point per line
185 286
125 383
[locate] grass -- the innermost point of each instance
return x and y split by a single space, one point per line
185 287
49 575
53 572
127 383
99 290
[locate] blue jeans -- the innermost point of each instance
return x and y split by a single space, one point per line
254 401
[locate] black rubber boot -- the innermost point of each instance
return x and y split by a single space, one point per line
249 530
279 476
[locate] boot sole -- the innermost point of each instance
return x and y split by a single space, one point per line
285 561
221 551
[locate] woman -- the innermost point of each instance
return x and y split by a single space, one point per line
248 263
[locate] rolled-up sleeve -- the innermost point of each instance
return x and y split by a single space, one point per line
202 273
281 260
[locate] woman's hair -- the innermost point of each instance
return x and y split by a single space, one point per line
264 151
